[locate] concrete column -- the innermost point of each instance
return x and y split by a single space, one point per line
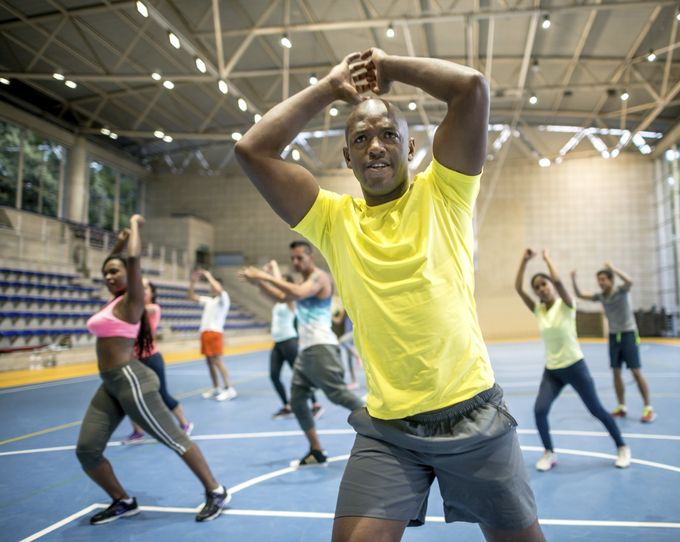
77 176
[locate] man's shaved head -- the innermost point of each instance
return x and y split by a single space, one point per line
371 106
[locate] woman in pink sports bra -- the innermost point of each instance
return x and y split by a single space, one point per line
131 388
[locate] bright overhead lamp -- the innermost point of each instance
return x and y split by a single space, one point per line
70 84
677 14
113 135
390 32
236 136
242 104
168 84
546 22
160 134
222 86
285 41
544 162
174 40
143 11
333 111
614 153
533 99
651 57
167 138
156 76
200 65
624 96
412 106
295 155
313 79
4 81
58 76
257 118
105 131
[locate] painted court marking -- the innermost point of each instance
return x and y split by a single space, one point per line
326 515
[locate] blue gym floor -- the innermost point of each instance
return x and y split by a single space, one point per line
46 496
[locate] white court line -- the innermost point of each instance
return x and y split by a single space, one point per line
276 434
48 384
61 523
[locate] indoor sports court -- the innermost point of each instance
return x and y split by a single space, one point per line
190 188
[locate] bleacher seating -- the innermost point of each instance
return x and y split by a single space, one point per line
38 309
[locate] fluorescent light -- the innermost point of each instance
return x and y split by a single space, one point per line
4 81
295 155
533 99
167 138
242 104
671 154
615 153
168 84
651 57
333 111
142 9
200 65
160 134
105 131
257 118
58 76
222 86
546 22
174 40
624 96
70 84
544 162
412 106
236 136
285 41
390 32
313 79
156 76
113 135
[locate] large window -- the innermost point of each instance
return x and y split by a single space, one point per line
42 169
34 163
102 202
10 143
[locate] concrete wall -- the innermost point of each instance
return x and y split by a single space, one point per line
585 211
184 235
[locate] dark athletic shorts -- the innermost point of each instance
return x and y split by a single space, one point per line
470 447
623 347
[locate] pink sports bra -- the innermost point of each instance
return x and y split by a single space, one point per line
105 324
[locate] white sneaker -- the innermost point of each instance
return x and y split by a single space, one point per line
227 395
547 462
622 458
210 394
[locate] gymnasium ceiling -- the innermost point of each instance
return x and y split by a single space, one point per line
577 69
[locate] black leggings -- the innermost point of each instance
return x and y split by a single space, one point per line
156 364
284 351
578 376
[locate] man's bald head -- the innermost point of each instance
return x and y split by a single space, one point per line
374 106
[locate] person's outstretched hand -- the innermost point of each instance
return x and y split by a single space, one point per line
340 79
368 74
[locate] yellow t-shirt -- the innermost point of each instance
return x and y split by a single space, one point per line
558 328
405 273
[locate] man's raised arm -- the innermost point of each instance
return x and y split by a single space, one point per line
289 188
461 139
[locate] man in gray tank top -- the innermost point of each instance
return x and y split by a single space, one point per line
623 335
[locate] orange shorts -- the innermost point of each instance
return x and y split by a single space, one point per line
212 343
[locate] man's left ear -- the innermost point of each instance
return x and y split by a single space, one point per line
411 148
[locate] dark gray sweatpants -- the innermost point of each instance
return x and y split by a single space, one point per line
130 390
319 366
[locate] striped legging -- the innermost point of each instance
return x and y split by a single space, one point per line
130 390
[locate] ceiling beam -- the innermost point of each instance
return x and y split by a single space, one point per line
91 9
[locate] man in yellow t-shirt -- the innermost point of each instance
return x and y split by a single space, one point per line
402 260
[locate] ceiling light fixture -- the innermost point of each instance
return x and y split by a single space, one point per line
113 135
624 96
143 11
168 84
412 106
105 131
70 84
333 111
4 81
174 40
222 86
200 65
160 134
546 22
295 155
236 136
156 76
167 138
58 76
313 79
544 162
285 41
390 31
651 57
257 118
242 104
533 99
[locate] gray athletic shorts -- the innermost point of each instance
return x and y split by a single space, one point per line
470 447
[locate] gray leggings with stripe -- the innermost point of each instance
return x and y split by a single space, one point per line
130 390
